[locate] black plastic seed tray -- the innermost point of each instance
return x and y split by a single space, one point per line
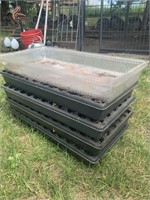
73 136
93 129
92 108
79 153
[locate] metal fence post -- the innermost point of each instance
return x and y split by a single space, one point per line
101 25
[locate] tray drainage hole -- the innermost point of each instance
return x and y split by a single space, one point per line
54 104
60 106
22 91
39 112
45 84
114 126
53 87
60 89
101 140
92 138
35 97
81 133
62 124
108 115
72 129
73 93
69 110
9 72
29 94
43 100
74 113
93 99
65 109
124 115
80 115
35 81
92 120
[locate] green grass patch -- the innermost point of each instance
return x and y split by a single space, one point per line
32 167
94 11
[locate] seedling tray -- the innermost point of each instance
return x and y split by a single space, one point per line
79 153
88 107
93 129
74 137
96 76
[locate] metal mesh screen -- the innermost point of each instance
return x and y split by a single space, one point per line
88 74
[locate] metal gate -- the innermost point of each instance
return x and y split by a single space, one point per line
108 25
121 25
64 24
128 31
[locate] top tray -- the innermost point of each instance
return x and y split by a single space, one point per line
91 75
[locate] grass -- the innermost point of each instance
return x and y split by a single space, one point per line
94 11
32 167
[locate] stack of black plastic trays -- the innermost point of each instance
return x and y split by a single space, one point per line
85 127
